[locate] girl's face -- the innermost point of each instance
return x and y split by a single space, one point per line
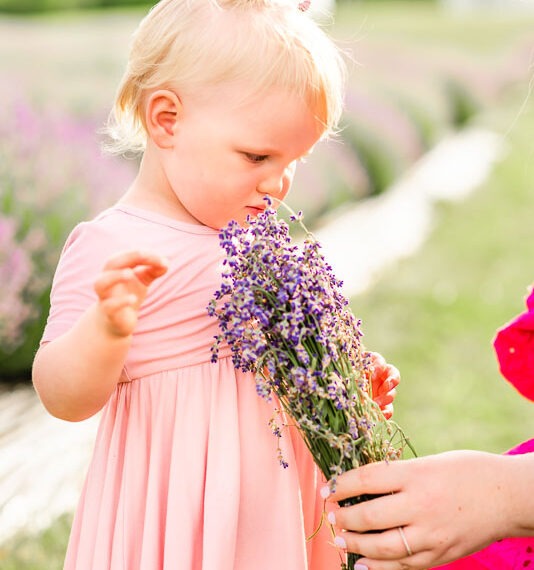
228 152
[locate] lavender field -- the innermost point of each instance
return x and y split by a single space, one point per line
58 74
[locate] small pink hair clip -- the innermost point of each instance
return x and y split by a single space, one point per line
304 5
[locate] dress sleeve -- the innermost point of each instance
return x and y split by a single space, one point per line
85 252
514 346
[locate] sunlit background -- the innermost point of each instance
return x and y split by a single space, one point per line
424 200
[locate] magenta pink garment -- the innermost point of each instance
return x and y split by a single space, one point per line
184 474
514 345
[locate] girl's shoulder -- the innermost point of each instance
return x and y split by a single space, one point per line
122 218
124 227
105 231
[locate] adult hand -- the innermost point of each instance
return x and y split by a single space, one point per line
447 505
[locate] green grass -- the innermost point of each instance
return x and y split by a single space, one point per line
427 24
434 315
40 551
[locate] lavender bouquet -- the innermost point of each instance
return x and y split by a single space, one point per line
281 311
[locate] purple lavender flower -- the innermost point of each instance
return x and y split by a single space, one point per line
281 311
16 278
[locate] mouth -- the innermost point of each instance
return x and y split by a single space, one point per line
256 209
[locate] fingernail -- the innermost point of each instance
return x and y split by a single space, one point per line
360 567
340 542
331 517
325 492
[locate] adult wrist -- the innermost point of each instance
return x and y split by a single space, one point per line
520 479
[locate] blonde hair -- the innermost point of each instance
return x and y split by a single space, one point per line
187 44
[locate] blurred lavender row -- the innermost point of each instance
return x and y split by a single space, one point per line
52 175
56 82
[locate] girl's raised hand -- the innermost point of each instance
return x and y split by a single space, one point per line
383 383
122 287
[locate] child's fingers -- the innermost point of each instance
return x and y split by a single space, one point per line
108 279
393 376
383 373
387 383
387 411
135 258
383 390
377 360
384 399
114 304
121 313
387 374
124 267
148 273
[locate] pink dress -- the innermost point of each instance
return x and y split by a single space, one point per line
184 474
514 346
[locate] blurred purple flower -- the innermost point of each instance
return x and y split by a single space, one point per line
52 175
15 274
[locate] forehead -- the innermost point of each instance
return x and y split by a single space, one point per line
273 117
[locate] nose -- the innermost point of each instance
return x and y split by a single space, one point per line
277 182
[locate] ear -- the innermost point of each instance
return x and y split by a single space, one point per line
162 113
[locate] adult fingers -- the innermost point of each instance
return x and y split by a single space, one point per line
387 545
393 549
418 562
373 479
377 514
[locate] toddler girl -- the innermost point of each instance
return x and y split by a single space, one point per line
222 98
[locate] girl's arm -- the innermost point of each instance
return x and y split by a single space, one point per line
76 373
449 505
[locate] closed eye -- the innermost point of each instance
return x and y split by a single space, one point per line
256 157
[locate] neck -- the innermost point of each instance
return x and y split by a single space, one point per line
152 191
